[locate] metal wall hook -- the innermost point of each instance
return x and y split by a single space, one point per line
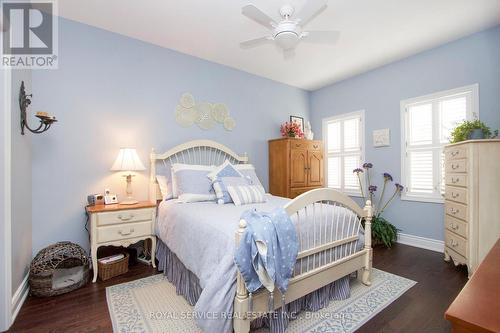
45 119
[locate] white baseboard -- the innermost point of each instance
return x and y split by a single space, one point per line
422 242
19 297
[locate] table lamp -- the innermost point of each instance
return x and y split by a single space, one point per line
127 161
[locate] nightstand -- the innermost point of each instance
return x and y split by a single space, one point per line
121 225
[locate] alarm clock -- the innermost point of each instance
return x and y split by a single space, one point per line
95 199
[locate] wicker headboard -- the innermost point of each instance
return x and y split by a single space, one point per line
203 152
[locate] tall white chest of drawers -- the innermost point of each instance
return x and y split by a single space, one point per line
472 200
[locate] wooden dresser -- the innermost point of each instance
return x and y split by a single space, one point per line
295 166
472 200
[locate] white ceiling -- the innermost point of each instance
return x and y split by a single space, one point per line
373 32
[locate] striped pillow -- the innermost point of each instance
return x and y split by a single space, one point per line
246 194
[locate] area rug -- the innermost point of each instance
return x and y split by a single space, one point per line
151 305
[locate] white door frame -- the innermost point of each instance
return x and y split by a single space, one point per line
6 251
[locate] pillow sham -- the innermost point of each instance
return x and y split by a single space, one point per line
190 183
220 185
248 171
165 187
246 194
226 169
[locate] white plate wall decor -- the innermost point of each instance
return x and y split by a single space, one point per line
381 138
204 114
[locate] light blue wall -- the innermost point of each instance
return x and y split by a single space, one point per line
474 59
111 91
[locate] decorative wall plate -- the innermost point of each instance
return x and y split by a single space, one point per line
229 123
185 116
187 100
220 112
204 119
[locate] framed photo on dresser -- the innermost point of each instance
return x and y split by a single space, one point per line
298 120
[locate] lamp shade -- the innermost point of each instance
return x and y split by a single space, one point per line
128 160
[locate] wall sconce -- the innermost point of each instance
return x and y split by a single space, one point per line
46 120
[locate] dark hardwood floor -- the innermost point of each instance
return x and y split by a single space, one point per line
420 309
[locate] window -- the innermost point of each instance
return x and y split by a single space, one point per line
344 144
427 123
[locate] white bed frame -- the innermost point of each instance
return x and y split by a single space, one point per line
208 152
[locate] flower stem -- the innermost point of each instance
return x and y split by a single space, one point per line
361 186
381 196
388 201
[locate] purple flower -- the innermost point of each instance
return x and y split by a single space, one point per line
357 170
387 176
399 187
372 188
367 165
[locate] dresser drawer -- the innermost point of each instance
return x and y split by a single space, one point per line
123 231
124 216
298 144
456 243
456 226
295 192
315 146
455 194
456 179
455 153
456 210
453 166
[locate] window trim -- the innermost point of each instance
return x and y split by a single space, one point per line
473 113
325 121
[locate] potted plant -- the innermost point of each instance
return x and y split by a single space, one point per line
291 130
383 232
472 130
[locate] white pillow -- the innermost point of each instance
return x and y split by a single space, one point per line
165 189
248 171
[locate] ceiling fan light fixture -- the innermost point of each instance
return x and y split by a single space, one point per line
287 39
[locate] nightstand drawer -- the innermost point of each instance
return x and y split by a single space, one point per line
456 210
124 216
456 243
456 194
123 231
456 226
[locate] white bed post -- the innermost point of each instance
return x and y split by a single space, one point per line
241 323
367 270
152 177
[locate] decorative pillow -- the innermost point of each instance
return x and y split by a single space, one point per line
190 183
248 171
220 185
226 169
246 194
165 187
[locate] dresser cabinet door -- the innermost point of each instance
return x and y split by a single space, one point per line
298 168
315 168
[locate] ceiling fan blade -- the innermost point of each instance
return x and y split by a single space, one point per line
258 16
310 10
326 37
288 54
255 42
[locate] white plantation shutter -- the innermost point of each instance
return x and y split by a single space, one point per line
428 122
344 150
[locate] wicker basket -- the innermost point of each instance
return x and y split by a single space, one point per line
107 271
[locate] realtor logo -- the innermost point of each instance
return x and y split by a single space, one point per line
29 35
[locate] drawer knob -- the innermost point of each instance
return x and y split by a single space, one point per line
126 218
453 243
315 146
455 180
454 211
455 153
455 166
453 226
454 195
126 233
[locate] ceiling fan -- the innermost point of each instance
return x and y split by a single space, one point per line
287 33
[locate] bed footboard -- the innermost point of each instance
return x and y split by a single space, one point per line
326 255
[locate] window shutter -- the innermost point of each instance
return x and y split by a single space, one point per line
421 171
452 111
